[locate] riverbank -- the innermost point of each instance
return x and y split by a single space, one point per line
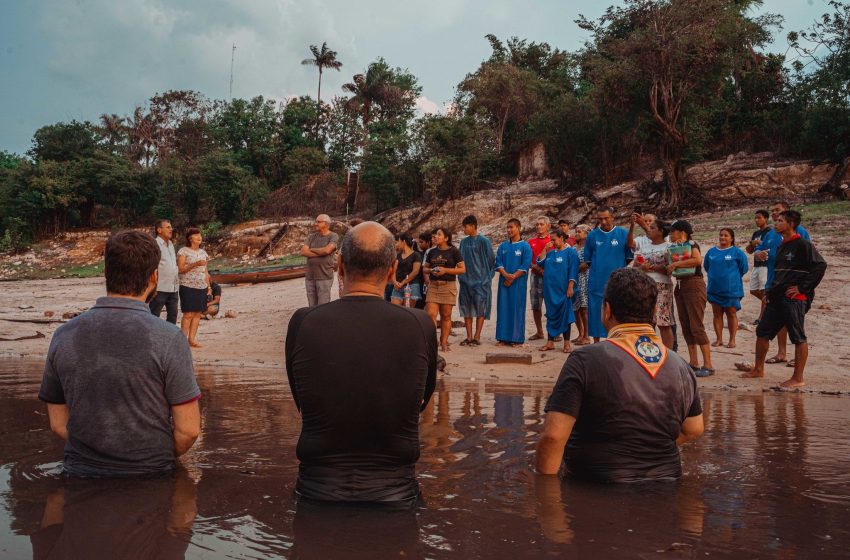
254 338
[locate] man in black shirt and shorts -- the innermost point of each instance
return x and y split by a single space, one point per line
620 409
361 370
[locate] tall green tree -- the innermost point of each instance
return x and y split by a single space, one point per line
322 58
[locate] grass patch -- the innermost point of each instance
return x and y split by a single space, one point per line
235 264
23 272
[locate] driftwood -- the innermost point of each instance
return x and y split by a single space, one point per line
258 230
37 320
273 241
25 337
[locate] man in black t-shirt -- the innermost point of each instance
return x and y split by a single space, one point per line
361 370
619 408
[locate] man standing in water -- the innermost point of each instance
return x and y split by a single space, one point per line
119 383
476 286
319 248
605 250
619 409
799 270
538 243
513 261
360 402
168 284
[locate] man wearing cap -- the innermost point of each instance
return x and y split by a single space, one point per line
320 250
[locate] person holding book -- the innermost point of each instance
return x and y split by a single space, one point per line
690 294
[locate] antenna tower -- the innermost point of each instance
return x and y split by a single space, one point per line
232 56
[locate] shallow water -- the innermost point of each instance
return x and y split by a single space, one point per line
770 478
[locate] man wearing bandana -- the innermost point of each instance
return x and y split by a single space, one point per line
620 409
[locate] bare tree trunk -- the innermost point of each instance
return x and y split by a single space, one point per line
319 104
670 164
833 186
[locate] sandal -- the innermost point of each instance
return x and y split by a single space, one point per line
791 363
775 360
704 372
466 342
536 336
475 342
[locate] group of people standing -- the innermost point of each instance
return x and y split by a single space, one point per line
565 273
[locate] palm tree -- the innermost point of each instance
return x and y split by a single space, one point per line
113 127
375 88
322 58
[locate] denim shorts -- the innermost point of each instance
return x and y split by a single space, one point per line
536 292
415 293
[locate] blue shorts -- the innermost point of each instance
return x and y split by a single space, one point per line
415 293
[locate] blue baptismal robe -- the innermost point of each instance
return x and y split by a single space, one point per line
510 306
606 252
559 269
476 285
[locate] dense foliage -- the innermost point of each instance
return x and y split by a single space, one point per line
659 84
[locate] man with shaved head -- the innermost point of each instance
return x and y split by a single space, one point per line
361 370
319 248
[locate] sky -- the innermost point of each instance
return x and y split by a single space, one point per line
77 59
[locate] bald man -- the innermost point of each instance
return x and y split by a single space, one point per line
360 402
320 248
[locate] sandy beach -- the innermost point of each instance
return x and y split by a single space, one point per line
255 337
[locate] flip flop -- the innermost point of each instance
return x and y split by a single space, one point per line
791 363
475 342
466 342
704 372
536 336
775 360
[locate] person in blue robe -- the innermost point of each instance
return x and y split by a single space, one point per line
606 249
560 266
475 295
513 261
725 266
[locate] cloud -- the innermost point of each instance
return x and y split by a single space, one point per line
425 106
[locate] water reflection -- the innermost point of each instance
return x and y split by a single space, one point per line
769 478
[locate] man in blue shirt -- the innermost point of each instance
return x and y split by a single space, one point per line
605 250
476 286
767 251
513 262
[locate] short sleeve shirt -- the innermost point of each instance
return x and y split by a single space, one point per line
626 421
119 370
537 244
405 267
444 258
321 268
757 236
197 277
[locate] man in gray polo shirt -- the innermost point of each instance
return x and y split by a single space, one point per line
168 283
320 250
119 383
620 407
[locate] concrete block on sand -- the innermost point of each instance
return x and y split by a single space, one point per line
508 358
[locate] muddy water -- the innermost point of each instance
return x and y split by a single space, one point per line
769 479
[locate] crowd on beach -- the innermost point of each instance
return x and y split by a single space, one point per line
121 390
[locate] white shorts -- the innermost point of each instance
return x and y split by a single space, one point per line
758 278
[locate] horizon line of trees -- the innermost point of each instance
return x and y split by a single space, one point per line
659 84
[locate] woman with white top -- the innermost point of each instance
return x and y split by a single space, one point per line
194 284
651 257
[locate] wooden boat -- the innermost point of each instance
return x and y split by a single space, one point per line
258 275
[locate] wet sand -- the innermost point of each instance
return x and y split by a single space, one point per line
255 338
768 479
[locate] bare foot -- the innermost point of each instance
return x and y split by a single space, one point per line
717 343
446 347
195 344
547 347
752 374
583 341
731 344
792 384
508 344
568 348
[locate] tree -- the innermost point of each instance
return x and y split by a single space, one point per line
826 89
684 49
64 141
322 58
113 128
383 93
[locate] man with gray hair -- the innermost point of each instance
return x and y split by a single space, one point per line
360 402
319 248
168 283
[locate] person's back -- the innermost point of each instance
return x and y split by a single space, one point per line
113 379
360 370
628 421
620 408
